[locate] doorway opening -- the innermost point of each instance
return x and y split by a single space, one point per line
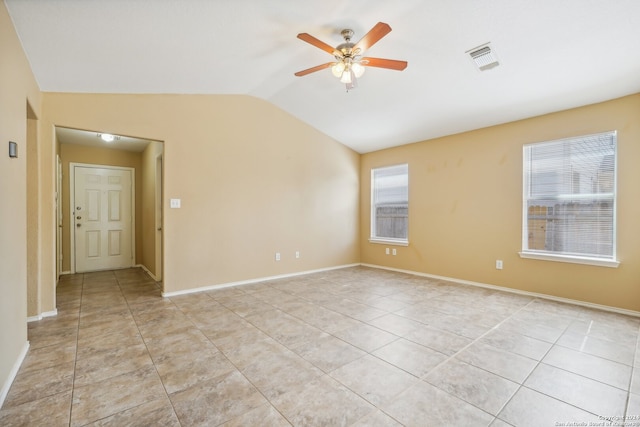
102 195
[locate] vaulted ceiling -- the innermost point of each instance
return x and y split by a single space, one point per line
553 54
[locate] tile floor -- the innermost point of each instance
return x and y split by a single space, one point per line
355 346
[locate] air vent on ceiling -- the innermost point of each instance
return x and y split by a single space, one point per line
484 57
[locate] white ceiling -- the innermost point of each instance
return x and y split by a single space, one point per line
554 55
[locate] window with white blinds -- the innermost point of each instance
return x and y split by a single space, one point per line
390 204
569 200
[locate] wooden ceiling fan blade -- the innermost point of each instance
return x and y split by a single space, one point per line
314 69
317 43
373 36
385 63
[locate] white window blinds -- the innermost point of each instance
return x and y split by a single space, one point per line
570 197
390 202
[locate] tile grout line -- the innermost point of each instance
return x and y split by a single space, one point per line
538 362
634 371
120 289
208 295
75 359
443 362
78 338
233 364
520 385
397 338
327 374
149 353
477 340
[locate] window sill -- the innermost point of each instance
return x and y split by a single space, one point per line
570 259
383 241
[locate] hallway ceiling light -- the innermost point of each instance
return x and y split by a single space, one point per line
107 137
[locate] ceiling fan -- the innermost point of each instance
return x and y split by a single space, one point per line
350 64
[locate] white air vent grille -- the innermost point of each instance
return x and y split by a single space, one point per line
484 57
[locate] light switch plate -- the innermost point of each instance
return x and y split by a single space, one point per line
175 203
13 149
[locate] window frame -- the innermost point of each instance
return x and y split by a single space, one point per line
546 255
373 238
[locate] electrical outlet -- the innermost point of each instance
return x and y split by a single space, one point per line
175 203
297 254
498 264
277 256
386 251
393 251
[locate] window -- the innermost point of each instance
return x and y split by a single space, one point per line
390 204
569 200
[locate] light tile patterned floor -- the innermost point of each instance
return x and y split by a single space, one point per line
355 346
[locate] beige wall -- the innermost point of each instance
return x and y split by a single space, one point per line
17 87
148 225
465 207
33 217
253 180
70 153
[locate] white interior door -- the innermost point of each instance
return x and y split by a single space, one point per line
102 218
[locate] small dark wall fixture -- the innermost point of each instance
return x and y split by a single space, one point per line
13 149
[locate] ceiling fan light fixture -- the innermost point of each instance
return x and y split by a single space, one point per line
358 69
346 77
337 69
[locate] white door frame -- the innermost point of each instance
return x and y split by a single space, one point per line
58 216
72 204
159 217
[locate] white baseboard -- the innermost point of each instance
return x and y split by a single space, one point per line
12 374
42 315
146 270
251 281
62 273
513 291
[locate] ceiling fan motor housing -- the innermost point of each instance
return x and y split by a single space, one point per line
347 34
345 50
